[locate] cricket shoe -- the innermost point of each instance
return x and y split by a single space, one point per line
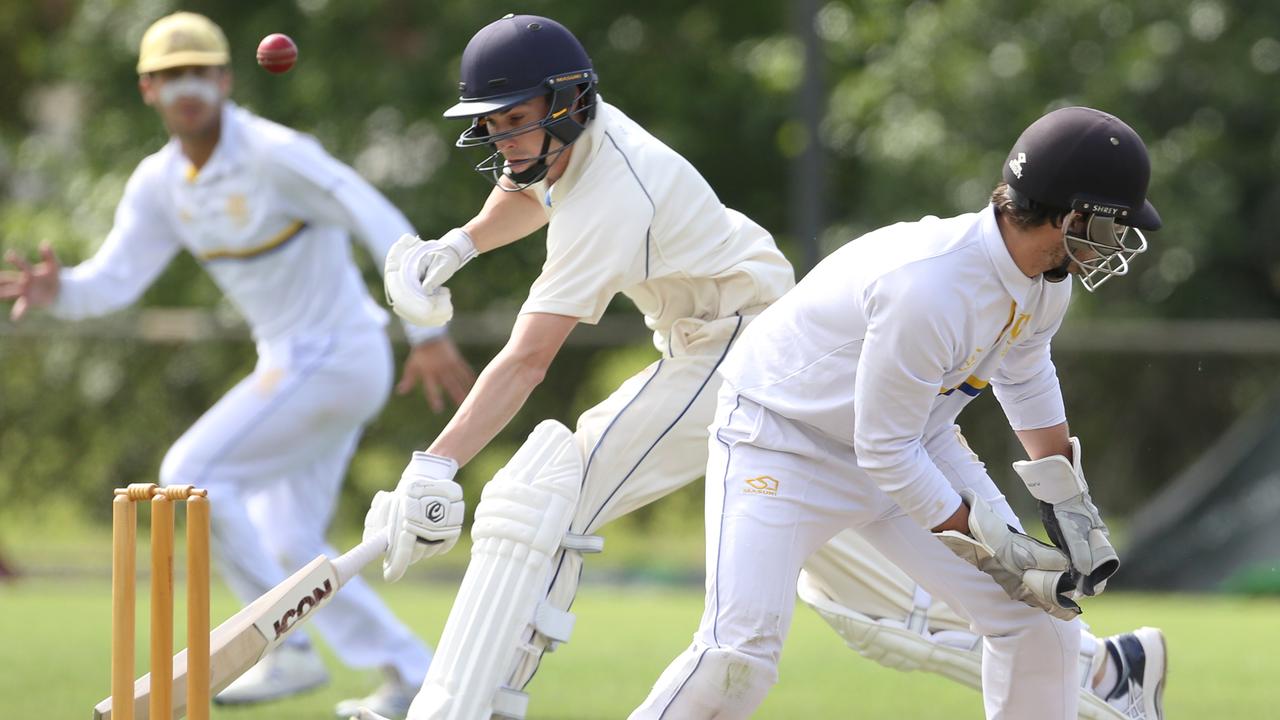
286 671
1141 661
391 701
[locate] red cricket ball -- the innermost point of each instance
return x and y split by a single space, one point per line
277 53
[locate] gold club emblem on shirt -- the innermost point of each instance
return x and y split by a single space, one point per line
762 485
238 209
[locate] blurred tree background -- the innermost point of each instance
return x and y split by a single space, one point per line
921 102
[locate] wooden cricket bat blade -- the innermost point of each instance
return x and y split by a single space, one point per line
246 637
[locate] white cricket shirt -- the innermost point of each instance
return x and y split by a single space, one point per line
630 215
889 337
269 216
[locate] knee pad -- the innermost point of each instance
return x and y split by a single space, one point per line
521 524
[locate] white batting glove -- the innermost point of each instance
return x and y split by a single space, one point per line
422 516
1030 571
416 271
433 309
1070 517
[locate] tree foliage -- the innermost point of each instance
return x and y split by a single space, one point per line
923 101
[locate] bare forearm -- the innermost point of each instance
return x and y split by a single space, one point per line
959 521
1043 442
505 218
499 393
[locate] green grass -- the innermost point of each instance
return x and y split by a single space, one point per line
54 655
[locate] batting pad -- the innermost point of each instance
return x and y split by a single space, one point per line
910 645
520 523
900 645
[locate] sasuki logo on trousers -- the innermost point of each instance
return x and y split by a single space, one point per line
762 485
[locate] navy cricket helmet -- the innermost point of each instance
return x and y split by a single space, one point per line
510 61
1086 163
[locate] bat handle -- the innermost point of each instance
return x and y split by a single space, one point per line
348 565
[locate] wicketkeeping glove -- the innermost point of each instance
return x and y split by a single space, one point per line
422 516
1070 517
1029 571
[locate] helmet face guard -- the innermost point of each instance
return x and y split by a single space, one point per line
1091 170
1105 248
568 94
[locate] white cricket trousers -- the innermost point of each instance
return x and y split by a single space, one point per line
776 491
646 440
273 453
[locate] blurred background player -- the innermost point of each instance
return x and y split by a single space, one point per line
270 215
838 411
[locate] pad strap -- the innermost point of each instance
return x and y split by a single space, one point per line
554 623
582 543
510 704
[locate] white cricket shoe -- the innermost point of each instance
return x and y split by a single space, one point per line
1141 660
286 671
390 701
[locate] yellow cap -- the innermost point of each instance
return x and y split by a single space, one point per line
181 39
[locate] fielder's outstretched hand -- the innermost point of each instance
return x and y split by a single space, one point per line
440 369
31 286
422 516
1070 517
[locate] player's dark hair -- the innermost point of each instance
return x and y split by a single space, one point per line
1022 211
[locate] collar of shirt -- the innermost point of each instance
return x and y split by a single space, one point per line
227 154
1015 283
584 149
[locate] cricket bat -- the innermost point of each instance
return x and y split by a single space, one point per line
239 643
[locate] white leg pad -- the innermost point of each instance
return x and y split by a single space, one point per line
897 644
909 645
520 523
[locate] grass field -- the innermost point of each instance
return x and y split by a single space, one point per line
54 656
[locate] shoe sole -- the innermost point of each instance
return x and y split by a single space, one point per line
1153 704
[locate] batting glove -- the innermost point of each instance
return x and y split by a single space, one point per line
416 271
1030 571
422 516
1070 517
